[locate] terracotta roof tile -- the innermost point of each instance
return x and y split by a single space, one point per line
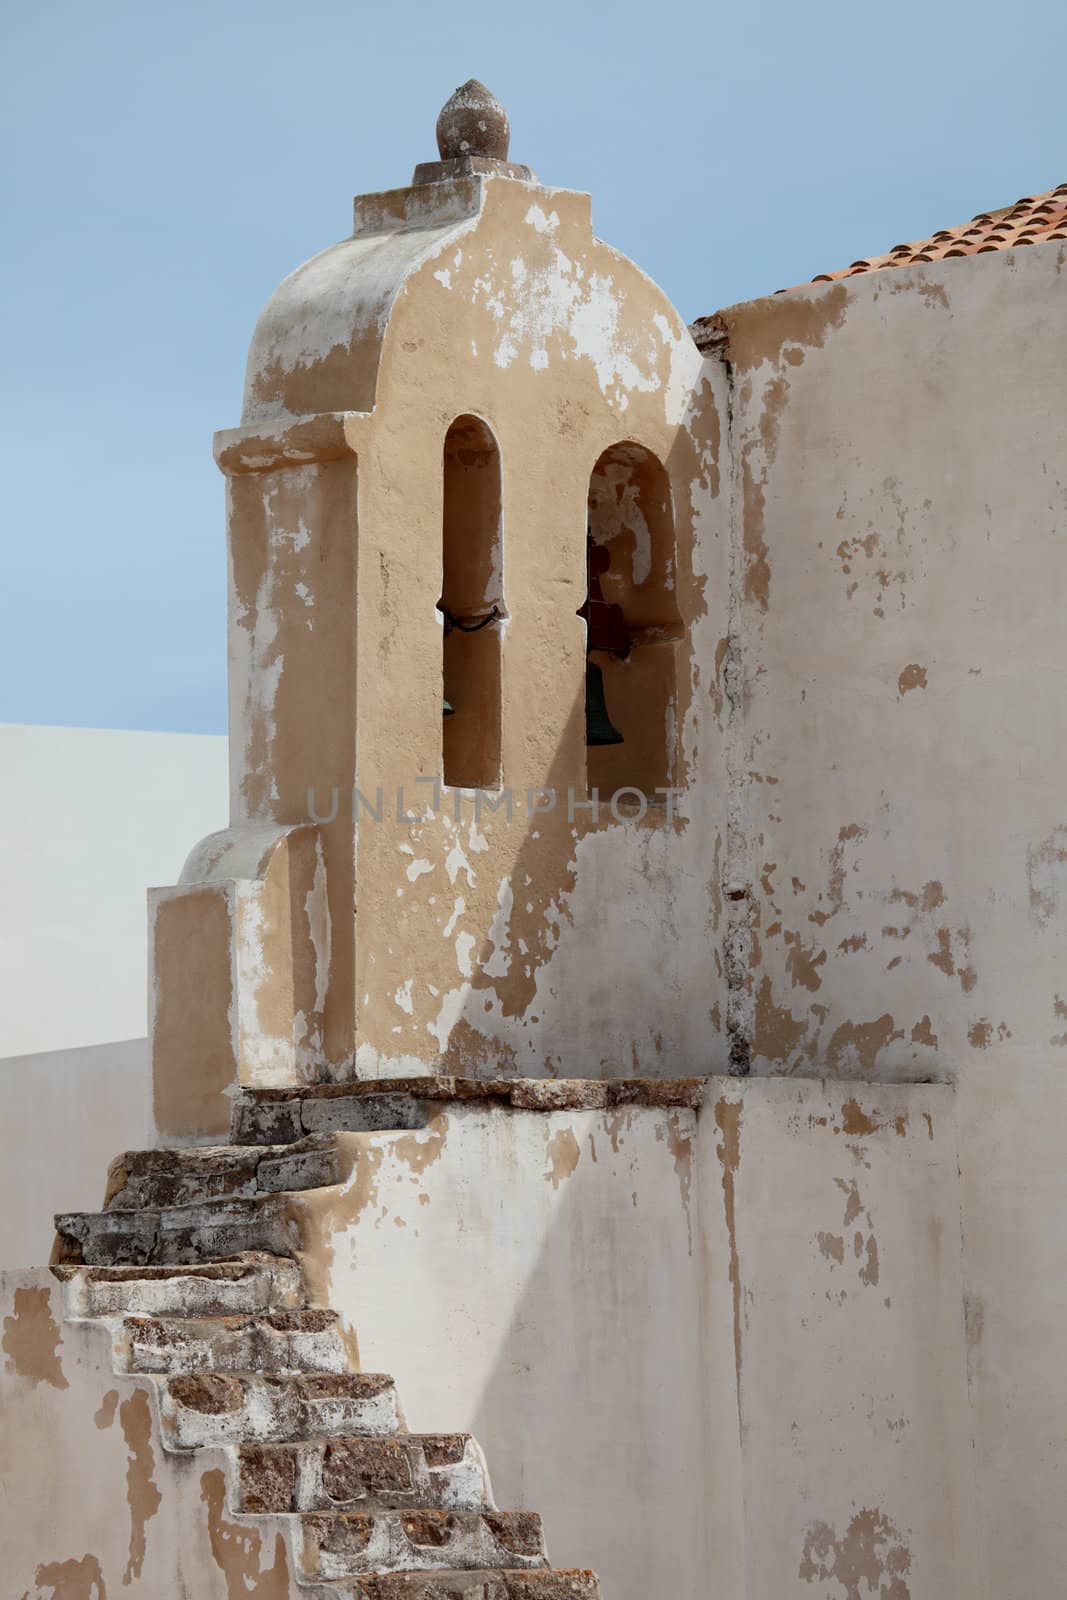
1032 220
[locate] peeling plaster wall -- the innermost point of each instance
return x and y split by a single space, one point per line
722 1351
901 834
902 474
90 1508
293 626
476 943
530 945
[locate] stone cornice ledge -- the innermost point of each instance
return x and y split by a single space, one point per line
267 446
523 1094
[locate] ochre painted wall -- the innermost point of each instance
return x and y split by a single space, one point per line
722 1350
525 941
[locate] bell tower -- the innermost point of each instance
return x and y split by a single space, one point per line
450 418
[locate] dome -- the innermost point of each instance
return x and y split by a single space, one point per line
316 344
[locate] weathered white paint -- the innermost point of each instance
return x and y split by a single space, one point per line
90 1506
901 643
1014 1190
354 282
898 826
562 1285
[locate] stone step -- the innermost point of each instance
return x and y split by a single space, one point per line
276 1117
283 1116
441 1471
280 1341
543 1583
205 1411
152 1179
253 1282
354 1543
174 1237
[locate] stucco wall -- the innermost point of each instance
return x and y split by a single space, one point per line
63 1115
721 1351
901 479
89 1505
898 831
91 817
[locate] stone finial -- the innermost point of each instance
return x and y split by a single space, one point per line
473 135
473 123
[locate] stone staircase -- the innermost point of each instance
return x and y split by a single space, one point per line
190 1266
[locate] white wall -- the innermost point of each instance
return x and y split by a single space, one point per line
90 1506
64 1115
899 757
898 765
721 1351
90 818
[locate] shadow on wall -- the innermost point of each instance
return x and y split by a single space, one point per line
596 1411
754 1304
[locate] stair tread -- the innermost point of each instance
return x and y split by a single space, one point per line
511 1520
301 1340
293 1118
427 1088
205 1410
243 1285
344 1544
161 1159
211 1230
270 1116
143 1179
532 1091
403 1438
213 1394
191 1264
326 1384
500 1583
301 1319
232 1269
237 1205
405 1471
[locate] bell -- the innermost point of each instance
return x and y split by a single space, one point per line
599 728
449 710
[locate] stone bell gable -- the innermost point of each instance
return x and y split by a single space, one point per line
440 412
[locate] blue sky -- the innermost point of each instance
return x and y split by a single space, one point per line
167 165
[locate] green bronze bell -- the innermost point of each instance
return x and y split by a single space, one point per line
599 728
449 710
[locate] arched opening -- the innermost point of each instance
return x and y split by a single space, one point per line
631 568
471 606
